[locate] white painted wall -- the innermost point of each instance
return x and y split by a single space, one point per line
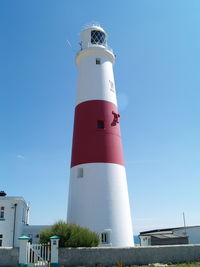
7 225
99 200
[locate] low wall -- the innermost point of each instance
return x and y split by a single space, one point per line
128 256
9 257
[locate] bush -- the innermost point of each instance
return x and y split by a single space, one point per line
71 235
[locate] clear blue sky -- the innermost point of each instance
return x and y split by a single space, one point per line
157 77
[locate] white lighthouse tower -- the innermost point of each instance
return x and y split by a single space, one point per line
98 194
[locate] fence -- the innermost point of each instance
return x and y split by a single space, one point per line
38 254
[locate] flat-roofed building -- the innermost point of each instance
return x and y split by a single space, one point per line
13 218
171 236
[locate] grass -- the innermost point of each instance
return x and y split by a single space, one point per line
184 264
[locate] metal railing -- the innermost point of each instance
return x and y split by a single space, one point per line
89 45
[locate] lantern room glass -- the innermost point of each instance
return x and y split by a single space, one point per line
98 37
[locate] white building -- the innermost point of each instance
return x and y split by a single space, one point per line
14 216
171 236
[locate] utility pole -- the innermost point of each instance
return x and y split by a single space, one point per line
184 223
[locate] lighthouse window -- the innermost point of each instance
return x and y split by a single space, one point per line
79 172
104 238
98 37
111 86
98 61
100 124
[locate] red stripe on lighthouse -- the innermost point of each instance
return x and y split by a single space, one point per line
96 135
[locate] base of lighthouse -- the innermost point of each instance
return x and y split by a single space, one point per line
98 200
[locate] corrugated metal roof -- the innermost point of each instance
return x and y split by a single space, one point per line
167 236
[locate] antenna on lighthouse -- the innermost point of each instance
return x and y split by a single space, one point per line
90 24
68 42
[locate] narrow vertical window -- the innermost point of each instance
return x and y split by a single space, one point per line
2 213
100 124
104 238
98 61
111 86
1 240
79 172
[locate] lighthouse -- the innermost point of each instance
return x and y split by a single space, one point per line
98 193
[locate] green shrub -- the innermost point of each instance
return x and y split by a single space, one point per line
71 235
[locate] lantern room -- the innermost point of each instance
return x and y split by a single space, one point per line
93 36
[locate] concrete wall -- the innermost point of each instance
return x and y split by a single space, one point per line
9 257
110 256
129 256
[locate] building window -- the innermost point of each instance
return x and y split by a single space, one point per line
104 238
1 240
100 124
2 213
79 172
98 61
